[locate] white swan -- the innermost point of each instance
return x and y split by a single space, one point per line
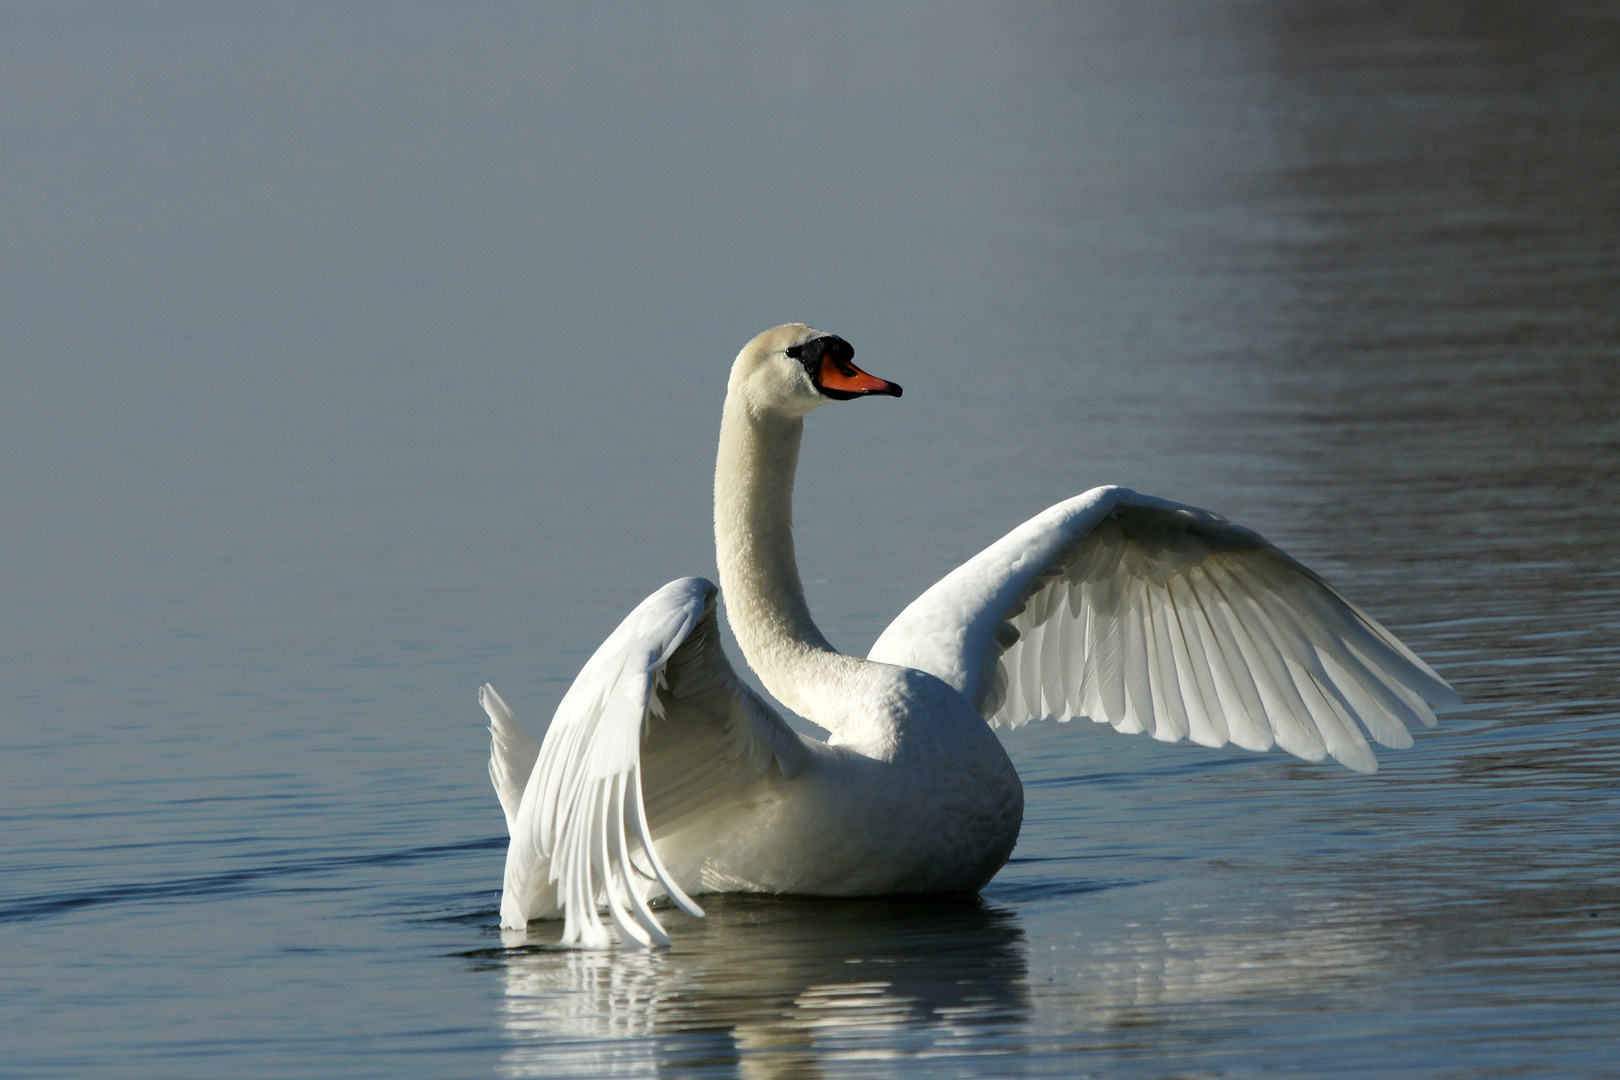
662 773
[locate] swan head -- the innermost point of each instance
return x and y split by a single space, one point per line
790 369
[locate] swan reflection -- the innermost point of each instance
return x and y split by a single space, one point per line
805 988
1196 962
772 988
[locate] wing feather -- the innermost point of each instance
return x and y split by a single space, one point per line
1029 667
1160 618
1052 701
1174 715
1203 656
1234 677
1134 660
1281 703
655 729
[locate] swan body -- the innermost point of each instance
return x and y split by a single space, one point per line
664 775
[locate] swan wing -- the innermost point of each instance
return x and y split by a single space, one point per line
1155 617
655 728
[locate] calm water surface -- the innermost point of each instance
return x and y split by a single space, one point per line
356 356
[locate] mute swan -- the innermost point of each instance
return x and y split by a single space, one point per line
662 773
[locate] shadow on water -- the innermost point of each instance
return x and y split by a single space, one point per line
769 987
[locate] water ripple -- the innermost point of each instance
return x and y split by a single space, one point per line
226 883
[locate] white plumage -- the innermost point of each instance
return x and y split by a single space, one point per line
1155 617
663 775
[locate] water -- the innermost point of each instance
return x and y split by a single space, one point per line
357 356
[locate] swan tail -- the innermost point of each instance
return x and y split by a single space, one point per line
512 753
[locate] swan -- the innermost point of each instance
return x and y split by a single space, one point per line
662 774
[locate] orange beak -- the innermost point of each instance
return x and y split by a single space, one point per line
840 378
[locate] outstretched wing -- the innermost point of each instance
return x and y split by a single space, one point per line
656 727
1157 617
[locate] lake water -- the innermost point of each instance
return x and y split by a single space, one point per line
357 355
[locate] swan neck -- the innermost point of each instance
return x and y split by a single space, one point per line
759 576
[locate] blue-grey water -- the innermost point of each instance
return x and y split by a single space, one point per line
356 354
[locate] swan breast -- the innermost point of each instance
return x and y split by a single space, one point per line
951 803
